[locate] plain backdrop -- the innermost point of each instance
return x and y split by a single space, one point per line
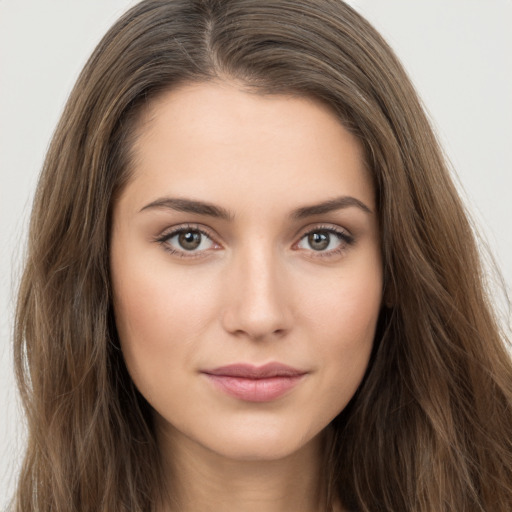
456 51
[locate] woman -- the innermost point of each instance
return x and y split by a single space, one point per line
251 283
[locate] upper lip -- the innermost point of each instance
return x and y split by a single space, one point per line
249 371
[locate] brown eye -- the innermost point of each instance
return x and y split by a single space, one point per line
190 240
325 241
187 241
319 240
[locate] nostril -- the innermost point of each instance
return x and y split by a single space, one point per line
257 324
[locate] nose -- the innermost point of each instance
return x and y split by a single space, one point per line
257 300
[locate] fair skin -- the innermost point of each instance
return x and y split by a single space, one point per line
217 260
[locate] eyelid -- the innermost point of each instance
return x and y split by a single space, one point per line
333 228
170 232
343 234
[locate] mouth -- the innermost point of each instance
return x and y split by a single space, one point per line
255 383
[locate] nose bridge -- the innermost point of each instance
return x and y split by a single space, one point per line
257 304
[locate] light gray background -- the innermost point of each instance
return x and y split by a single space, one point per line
458 53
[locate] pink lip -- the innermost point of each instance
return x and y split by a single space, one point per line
255 383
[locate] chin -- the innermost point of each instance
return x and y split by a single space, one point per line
259 442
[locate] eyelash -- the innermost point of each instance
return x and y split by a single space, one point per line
164 238
343 236
346 240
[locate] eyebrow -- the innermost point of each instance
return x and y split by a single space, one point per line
331 205
190 206
211 210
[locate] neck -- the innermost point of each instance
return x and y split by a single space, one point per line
200 479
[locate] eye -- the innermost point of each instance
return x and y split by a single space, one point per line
325 241
186 241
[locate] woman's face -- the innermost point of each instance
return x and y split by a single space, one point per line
246 269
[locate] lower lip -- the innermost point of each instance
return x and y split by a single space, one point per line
255 390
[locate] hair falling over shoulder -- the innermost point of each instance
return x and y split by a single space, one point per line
430 428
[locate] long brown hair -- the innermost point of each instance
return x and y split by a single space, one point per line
430 428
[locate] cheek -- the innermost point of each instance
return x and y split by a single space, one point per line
158 318
344 317
347 303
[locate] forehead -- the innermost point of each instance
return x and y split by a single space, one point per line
221 142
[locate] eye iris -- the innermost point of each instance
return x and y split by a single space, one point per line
189 240
319 240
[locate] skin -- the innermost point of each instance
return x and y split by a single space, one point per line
256 290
